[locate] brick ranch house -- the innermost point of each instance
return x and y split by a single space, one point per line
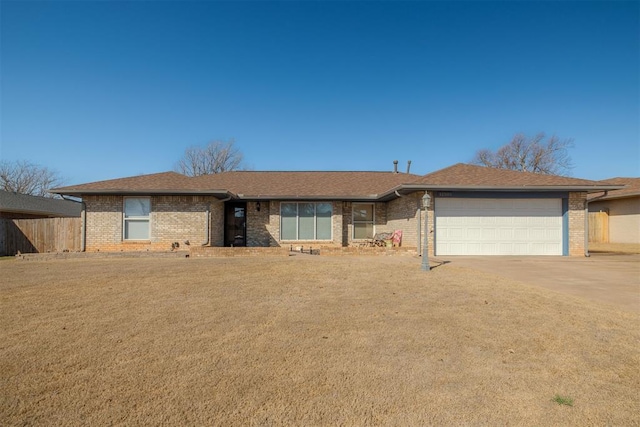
474 210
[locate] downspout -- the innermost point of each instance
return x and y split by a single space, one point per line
208 226
208 219
586 221
83 233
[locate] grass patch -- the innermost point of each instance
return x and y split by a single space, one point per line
563 400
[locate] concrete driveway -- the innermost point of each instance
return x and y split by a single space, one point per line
609 278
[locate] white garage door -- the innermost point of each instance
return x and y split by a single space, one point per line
466 226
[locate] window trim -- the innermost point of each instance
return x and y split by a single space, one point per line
125 219
354 222
315 222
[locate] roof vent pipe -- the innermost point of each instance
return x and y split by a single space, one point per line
395 166
408 165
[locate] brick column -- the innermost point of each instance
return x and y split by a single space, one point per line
577 223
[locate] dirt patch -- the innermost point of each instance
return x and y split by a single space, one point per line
305 341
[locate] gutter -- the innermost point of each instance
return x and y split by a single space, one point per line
150 192
256 197
588 188
493 188
398 194
586 221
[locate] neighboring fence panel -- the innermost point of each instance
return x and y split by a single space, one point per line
599 227
41 235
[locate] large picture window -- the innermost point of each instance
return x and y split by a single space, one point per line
136 218
305 221
363 220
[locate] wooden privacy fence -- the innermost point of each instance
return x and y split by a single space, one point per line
40 235
599 227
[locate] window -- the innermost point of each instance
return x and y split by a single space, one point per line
363 220
136 218
305 221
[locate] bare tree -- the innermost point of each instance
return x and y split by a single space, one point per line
215 157
538 154
27 178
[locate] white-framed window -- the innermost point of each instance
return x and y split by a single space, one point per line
306 221
137 212
363 220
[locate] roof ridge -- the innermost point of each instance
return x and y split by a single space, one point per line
620 177
445 168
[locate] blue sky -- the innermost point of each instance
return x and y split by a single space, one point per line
100 90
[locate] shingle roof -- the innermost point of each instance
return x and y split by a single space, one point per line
33 205
250 184
472 177
346 185
631 189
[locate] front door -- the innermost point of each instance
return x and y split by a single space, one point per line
235 224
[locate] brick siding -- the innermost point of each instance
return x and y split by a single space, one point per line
217 223
182 218
404 214
172 219
259 229
576 223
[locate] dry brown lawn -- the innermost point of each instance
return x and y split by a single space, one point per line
305 341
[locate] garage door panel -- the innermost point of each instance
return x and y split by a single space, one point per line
473 246
520 234
456 233
521 221
553 248
505 233
486 220
456 248
554 236
470 226
473 233
537 234
488 234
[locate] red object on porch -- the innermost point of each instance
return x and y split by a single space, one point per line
396 237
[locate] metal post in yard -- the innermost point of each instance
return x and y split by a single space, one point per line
426 202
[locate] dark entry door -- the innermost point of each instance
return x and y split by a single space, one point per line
235 224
